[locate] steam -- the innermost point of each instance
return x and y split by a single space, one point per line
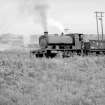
52 22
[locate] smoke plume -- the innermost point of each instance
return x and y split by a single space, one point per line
42 9
38 9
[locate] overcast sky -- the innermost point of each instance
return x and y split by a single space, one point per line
78 15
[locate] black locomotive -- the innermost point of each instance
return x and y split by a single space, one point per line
66 45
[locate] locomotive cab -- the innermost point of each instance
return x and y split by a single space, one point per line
78 41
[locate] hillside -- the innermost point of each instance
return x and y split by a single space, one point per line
29 81
16 42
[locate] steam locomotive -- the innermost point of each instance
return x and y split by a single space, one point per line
67 45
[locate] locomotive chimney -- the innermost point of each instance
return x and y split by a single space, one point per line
46 33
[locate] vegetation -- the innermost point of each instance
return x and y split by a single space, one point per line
71 81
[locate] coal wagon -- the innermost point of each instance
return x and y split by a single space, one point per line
95 46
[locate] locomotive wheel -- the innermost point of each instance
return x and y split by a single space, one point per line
104 52
67 54
97 53
48 54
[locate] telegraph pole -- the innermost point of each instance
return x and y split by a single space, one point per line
97 25
99 16
102 25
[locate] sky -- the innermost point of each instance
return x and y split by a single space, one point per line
21 17
78 15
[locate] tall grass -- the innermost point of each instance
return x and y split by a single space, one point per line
71 81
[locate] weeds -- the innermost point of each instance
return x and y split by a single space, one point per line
69 81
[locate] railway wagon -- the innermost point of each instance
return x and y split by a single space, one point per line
96 46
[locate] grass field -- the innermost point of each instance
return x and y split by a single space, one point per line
71 81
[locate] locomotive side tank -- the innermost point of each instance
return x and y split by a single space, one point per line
52 40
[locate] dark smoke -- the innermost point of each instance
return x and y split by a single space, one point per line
42 10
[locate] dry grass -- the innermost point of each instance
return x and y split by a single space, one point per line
72 81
